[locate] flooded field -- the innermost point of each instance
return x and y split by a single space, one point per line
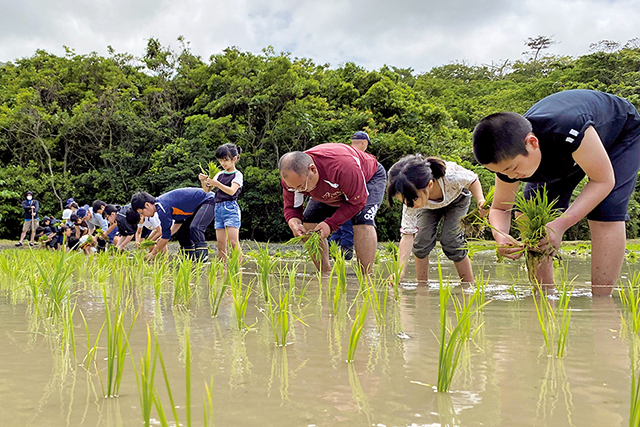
239 377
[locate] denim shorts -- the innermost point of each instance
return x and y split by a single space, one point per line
227 214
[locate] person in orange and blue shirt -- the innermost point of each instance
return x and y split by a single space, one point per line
193 208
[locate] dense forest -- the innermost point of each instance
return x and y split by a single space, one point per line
93 127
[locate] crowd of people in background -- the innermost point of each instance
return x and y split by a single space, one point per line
338 188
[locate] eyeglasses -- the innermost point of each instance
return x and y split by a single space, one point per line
298 189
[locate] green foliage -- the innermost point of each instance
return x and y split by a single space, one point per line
93 127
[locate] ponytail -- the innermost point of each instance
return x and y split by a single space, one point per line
411 174
438 167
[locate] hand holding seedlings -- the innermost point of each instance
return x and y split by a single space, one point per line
295 224
324 229
551 242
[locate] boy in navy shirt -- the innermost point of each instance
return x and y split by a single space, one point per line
561 139
193 207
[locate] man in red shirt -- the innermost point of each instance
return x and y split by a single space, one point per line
343 183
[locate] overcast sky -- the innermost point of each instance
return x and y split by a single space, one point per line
419 34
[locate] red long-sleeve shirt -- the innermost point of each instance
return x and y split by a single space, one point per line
344 172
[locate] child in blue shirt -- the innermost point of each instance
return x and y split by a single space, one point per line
227 211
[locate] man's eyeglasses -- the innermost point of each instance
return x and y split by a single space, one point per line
301 190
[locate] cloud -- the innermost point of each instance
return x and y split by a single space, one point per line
407 33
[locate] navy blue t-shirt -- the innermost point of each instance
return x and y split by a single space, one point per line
228 178
179 205
560 120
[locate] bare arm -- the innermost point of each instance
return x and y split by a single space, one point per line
476 192
594 161
404 251
500 217
230 190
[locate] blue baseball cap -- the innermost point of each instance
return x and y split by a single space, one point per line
360 135
82 212
69 201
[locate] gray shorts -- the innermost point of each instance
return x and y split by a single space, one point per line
451 237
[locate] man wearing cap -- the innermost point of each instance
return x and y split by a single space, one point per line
31 220
343 183
344 235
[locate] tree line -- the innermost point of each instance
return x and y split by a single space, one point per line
100 127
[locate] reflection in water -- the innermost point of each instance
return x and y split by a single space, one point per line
446 411
360 398
182 321
280 369
553 384
335 334
240 364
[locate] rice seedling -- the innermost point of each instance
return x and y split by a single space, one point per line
537 212
357 328
634 359
117 345
208 404
182 291
217 287
265 264
145 380
376 292
472 224
452 340
554 324
312 244
630 299
212 171
158 274
54 284
92 350
240 295
278 313
394 269
146 244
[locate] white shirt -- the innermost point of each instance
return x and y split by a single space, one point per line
455 179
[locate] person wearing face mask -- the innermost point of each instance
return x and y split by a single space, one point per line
31 220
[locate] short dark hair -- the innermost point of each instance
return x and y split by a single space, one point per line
73 205
500 136
295 161
97 205
108 210
412 173
139 198
133 217
228 151
74 218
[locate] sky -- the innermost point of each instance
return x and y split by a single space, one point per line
417 34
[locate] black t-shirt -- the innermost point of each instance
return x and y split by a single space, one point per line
560 120
227 179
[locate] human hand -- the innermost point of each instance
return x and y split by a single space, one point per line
550 244
324 229
481 210
295 224
202 177
211 182
508 249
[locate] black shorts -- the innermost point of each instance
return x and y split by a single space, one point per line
625 159
316 212
124 228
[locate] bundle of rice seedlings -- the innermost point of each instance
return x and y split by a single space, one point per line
472 224
146 244
310 242
537 212
87 242
213 169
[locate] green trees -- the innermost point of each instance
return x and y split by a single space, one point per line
87 126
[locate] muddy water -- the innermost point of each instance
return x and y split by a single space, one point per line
505 377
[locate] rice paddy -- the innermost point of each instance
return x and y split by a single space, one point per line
112 340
